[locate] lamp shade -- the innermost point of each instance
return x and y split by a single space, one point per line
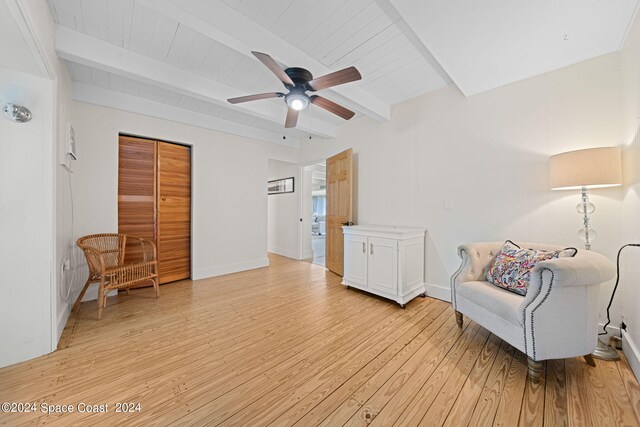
591 168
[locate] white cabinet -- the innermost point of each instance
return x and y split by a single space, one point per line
385 260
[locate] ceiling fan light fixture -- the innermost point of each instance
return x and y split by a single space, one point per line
297 101
298 81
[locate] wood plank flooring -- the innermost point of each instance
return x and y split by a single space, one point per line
288 345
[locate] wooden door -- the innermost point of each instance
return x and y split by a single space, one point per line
136 192
174 212
339 207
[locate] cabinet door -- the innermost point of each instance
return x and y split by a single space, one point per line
383 265
355 261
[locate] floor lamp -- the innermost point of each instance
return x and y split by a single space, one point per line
583 170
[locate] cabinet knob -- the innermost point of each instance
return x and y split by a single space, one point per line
164 199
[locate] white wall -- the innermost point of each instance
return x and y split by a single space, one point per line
629 292
49 97
38 15
284 212
26 221
306 212
229 185
488 154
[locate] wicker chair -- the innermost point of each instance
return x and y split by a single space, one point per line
105 254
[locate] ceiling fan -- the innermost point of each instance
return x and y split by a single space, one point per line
298 81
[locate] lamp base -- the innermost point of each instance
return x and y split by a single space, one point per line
605 352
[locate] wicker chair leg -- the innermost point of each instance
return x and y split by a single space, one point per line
128 291
102 300
76 305
156 286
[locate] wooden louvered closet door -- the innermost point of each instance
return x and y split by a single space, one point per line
136 192
174 212
154 202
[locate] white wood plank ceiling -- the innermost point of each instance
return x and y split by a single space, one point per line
191 55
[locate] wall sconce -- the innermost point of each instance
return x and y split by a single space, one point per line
12 98
17 113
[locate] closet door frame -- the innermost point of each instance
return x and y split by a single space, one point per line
191 182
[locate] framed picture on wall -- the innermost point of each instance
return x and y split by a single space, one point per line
280 186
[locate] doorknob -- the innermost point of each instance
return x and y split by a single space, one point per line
348 223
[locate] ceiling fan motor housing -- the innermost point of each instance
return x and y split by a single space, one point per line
300 76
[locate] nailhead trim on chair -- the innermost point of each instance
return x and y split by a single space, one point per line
524 320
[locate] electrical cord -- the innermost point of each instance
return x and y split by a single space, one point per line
70 246
615 287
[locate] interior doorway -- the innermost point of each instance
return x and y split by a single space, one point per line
318 202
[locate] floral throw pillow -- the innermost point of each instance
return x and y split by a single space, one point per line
512 266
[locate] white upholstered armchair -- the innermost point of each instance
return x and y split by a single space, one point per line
558 317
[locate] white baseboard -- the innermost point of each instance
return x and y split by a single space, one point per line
221 270
438 291
307 254
289 253
92 293
62 321
631 353
201 273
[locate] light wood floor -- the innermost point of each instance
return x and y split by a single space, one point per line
289 345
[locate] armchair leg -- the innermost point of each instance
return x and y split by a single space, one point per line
102 300
459 319
589 359
535 370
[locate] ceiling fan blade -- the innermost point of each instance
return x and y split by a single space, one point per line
332 107
347 75
292 118
274 67
255 97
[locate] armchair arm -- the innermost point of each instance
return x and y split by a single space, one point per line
585 269
475 259
95 260
149 251
561 305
